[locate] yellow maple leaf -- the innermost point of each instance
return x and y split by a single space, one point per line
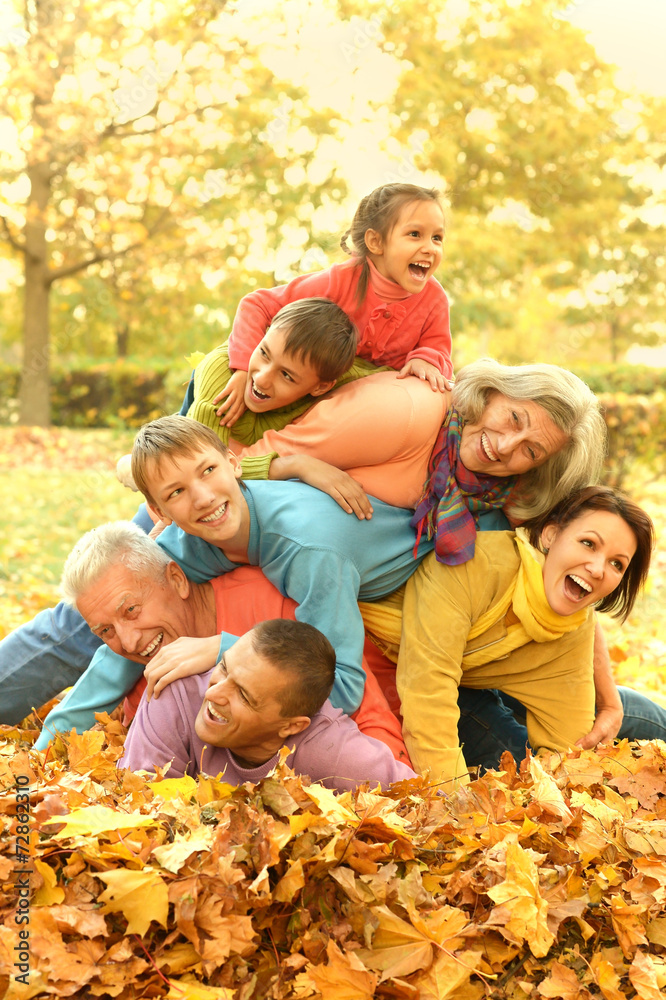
194 358
50 892
93 820
172 788
563 983
141 896
398 948
189 989
85 754
645 836
333 806
290 883
628 924
447 974
343 977
546 793
212 790
521 899
644 978
173 856
606 977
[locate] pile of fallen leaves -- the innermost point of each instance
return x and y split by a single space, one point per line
550 882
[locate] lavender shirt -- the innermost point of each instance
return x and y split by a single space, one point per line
331 750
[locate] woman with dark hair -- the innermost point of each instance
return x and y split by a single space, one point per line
517 617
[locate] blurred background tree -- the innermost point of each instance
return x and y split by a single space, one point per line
160 160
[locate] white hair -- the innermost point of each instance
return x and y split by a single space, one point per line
571 405
118 542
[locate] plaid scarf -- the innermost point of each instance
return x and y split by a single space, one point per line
453 497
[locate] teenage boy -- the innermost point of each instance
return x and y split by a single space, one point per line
269 690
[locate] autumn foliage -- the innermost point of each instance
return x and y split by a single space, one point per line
550 882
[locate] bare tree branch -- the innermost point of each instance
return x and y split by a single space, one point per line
11 239
67 269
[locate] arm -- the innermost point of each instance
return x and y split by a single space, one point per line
325 585
100 689
437 616
200 561
608 705
257 309
346 492
211 376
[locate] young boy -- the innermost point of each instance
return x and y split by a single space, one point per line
309 348
306 545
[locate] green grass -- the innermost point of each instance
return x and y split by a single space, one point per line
53 488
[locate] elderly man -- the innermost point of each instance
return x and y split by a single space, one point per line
142 606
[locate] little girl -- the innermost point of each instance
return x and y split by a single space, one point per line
388 290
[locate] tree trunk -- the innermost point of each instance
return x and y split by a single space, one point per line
34 397
614 348
122 340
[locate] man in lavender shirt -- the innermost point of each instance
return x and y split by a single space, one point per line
269 690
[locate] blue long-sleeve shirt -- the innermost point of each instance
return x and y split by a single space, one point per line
321 557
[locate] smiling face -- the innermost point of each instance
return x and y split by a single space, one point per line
278 378
512 437
412 251
586 560
135 615
241 709
201 494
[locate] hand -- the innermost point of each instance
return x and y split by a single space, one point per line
124 473
158 527
606 727
181 658
346 492
424 370
231 398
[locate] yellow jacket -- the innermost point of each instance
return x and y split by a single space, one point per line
553 679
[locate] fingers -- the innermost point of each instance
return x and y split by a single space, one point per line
361 506
353 499
233 413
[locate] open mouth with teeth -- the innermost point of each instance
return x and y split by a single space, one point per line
419 271
217 513
214 716
576 588
487 450
152 648
256 394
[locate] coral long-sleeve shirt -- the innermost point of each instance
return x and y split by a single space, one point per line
394 326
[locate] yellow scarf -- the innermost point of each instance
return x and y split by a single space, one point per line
537 621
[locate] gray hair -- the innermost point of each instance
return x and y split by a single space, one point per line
571 405
119 542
